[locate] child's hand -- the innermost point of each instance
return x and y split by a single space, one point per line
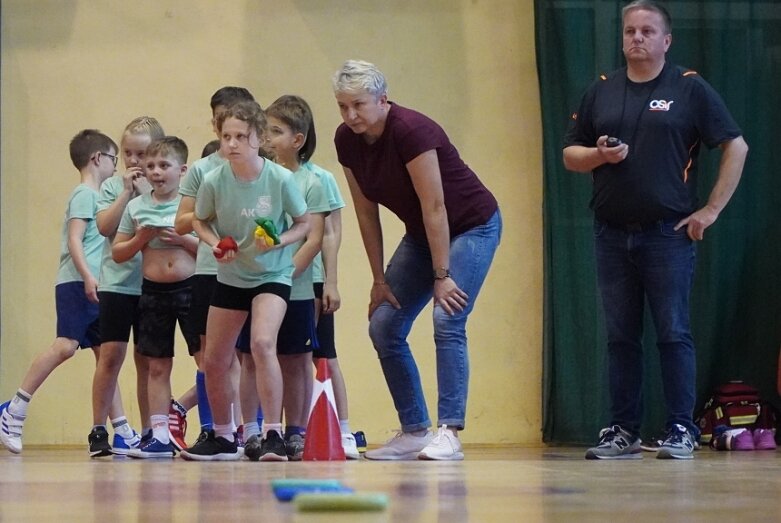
331 300
91 289
141 184
263 245
168 235
130 176
145 233
266 236
225 250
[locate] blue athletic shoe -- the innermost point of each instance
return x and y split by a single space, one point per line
153 449
121 445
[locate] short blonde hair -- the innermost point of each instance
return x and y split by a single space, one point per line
357 75
145 125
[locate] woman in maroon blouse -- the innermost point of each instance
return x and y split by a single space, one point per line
403 160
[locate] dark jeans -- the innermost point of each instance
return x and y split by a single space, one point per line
656 263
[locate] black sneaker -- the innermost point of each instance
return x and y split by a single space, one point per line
252 448
294 446
272 447
98 443
212 448
203 436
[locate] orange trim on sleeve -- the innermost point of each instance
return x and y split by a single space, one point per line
689 163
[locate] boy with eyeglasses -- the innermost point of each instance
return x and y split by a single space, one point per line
76 290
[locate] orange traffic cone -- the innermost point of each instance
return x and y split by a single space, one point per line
323 440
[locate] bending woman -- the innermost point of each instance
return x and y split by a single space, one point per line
403 160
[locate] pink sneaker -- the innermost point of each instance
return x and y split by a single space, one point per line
743 441
764 439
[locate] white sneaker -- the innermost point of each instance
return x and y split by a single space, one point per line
401 447
349 446
445 446
11 429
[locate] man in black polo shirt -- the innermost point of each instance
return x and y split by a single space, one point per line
647 217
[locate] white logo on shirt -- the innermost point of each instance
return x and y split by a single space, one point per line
660 105
262 208
264 205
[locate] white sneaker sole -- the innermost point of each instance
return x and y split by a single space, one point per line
215 457
410 456
456 456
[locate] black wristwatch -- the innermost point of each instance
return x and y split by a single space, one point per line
441 273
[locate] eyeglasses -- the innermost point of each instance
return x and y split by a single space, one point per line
113 157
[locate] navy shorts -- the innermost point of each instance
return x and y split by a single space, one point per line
243 341
118 313
297 333
77 317
203 288
326 343
160 307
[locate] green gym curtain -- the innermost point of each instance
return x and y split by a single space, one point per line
736 302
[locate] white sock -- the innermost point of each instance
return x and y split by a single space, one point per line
344 426
19 403
225 431
122 427
251 429
272 426
160 427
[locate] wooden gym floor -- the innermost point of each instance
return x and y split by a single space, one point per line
491 485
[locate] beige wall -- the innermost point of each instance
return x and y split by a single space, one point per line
68 65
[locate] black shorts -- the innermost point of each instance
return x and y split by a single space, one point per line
240 299
326 346
118 313
160 307
203 289
297 333
326 343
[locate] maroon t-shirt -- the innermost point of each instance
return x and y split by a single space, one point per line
381 172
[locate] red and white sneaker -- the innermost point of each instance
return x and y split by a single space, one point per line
177 425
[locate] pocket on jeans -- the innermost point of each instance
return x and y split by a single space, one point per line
668 230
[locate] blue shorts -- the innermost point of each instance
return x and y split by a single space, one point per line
77 317
297 333
243 342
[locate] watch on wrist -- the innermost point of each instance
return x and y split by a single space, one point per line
441 273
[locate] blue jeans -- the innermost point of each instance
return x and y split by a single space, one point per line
409 275
656 263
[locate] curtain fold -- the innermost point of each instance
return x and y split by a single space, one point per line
736 301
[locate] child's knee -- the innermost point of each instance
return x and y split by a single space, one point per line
64 348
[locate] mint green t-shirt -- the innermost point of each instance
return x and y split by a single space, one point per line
316 202
122 278
205 263
82 205
335 201
231 207
144 211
